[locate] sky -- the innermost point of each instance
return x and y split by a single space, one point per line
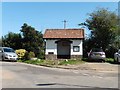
48 15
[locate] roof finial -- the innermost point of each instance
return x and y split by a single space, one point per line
64 24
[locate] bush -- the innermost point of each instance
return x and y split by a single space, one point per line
110 60
110 52
41 55
26 56
21 53
31 55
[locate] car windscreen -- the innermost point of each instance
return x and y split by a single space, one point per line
97 50
8 50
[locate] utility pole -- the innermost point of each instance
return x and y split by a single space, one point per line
64 23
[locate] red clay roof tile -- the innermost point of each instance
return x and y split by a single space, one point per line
63 33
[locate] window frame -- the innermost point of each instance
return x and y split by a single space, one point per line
74 48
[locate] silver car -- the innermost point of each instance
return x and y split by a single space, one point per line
117 56
96 54
7 53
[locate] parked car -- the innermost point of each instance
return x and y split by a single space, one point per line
117 56
96 54
7 53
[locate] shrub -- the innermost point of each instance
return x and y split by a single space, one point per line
31 55
41 55
26 56
110 60
21 53
110 52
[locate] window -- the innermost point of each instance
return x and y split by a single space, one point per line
50 52
76 48
8 50
97 50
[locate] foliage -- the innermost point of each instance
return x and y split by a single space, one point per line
52 62
110 51
31 55
32 39
28 39
21 53
19 61
103 25
70 62
0 41
12 40
110 60
36 62
41 55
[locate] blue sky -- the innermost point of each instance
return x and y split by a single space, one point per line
48 15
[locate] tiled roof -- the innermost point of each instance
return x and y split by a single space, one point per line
63 33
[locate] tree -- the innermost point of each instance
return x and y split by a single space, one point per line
32 39
103 25
0 41
116 42
12 40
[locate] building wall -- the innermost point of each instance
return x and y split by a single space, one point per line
51 46
77 43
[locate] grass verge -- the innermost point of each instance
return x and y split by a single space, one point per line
52 63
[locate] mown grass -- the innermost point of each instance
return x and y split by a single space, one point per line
108 60
71 62
52 62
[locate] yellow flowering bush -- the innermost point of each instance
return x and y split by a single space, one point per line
20 53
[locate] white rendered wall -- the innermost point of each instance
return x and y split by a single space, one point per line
51 46
77 43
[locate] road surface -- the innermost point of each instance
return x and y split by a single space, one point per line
19 75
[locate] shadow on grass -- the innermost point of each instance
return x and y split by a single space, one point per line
100 61
59 88
92 61
117 63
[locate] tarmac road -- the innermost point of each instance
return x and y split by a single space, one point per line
19 75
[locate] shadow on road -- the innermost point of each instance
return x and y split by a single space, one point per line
78 86
48 84
59 88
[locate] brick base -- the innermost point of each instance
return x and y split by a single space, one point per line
54 57
76 56
51 57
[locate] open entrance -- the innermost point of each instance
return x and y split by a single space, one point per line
63 49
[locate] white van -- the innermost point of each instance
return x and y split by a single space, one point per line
7 53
